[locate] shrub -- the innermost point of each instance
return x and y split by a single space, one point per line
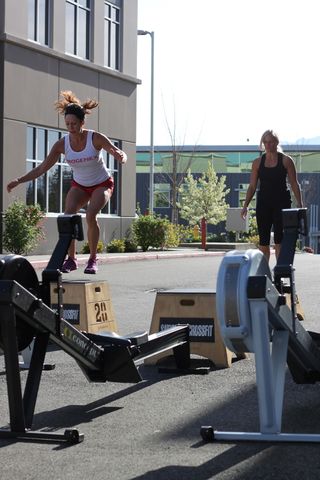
172 238
130 245
116 246
22 227
150 231
252 236
130 241
218 237
86 249
176 234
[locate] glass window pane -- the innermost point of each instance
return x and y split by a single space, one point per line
30 187
84 3
42 22
30 143
53 137
115 14
107 10
66 182
46 190
112 36
161 195
83 33
70 28
31 20
107 43
113 41
41 145
54 189
41 191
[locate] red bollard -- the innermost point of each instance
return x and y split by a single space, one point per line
203 233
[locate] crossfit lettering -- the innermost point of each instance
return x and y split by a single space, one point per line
71 314
201 330
195 330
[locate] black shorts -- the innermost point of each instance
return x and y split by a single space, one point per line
269 216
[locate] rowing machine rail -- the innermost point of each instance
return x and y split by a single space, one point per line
25 316
252 315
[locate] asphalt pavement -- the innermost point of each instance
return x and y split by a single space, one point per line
151 430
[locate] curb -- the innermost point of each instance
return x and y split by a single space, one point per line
39 264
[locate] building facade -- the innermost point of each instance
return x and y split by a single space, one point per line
234 162
89 47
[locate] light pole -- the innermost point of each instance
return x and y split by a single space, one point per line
151 180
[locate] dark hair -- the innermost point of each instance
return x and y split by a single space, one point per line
70 104
75 109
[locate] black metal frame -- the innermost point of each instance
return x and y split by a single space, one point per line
101 357
294 224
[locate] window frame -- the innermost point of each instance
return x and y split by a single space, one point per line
162 190
77 9
46 30
112 49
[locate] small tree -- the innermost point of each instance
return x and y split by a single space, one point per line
202 200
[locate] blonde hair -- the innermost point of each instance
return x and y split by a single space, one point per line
274 135
69 98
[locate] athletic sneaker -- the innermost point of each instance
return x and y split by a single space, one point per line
92 266
69 265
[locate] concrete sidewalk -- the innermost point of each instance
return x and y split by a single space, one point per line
40 261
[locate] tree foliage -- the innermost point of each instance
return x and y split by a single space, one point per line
203 198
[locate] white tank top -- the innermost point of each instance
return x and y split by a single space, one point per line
88 166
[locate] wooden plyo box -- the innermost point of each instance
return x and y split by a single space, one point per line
196 307
86 305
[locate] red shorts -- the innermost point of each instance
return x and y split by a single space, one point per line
107 184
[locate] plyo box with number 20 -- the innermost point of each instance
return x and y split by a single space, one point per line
86 305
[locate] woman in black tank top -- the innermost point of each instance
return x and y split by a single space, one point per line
271 171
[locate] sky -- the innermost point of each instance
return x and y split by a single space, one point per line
227 70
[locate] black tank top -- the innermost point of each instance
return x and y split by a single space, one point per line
273 182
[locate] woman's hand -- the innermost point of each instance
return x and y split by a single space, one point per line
12 184
123 157
119 155
244 212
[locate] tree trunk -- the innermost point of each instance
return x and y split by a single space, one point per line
174 189
203 233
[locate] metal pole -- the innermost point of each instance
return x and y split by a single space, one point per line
151 175
151 126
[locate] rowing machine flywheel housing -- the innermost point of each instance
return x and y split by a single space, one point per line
231 296
16 267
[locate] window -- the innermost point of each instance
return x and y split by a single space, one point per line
50 190
161 195
112 206
112 13
38 21
242 190
78 28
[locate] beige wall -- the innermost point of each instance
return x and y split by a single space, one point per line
33 76
31 81
17 25
15 17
